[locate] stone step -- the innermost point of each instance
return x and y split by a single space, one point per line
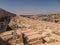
29 30
5 37
35 42
33 36
26 31
31 33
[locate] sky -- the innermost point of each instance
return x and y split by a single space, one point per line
31 6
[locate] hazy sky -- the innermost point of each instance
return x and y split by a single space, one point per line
31 6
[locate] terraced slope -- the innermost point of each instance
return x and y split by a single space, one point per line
48 17
13 37
34 32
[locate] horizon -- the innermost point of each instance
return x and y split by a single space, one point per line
31 7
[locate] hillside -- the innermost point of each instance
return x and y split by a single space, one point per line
49 17
33 32
5 18
4 13
29 29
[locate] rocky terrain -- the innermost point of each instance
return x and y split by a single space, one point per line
4 13
26 30
33 32
49 17
5 17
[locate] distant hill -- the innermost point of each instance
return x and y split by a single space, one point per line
50 17
4 13
5 18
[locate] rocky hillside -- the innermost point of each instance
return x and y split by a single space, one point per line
29 29
4 13
32 32
5 18
50 17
